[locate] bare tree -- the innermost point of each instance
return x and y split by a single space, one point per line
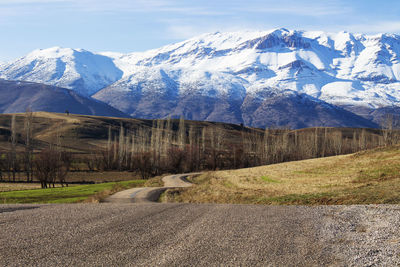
337 140
387 129
109 147
355 142
176 159
2 166
324 142
13 141
28 155
45 167
182 133
143 164
115 151
167 140
53 163
121 147
63 167
363 140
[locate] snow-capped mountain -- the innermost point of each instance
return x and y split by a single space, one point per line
339 68
231 76
75 69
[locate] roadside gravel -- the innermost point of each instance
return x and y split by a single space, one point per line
115 234
363 235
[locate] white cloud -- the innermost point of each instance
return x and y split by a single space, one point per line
376 27
167 6
174 6
184 31
182 7
25 9
301 8
177 29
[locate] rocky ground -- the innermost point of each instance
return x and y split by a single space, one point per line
362 235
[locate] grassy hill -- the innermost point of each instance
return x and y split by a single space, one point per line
368 177
83 133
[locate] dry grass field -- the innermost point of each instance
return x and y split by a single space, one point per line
363 178
80 134
5 187
84 134
75 177
327 180
101 177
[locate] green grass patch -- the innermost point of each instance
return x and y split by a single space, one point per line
229 184
382 173
384 192
71 194
270 180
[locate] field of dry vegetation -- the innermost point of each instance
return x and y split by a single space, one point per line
367 177
60 150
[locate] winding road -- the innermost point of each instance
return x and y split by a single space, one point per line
150 194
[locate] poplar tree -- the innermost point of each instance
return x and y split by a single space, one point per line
28 157
109 144
182 133
121 146
13 146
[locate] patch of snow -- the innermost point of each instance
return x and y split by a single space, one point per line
76 69
334 67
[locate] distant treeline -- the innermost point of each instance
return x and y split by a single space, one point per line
181 147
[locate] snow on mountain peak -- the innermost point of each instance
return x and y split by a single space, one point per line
52 52
340 68
343 67
76 69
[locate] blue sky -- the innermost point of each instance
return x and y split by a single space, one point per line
138 25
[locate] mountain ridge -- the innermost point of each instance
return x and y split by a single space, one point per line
18 96
77 69
341 69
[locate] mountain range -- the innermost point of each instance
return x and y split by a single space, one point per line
279 77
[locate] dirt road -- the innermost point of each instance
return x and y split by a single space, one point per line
150 194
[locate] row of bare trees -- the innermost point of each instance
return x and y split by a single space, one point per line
161 149
48 166
171 146
13 162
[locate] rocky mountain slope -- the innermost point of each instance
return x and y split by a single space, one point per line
239 77
16 97
75 69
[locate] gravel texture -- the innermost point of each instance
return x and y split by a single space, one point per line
363 235
115 234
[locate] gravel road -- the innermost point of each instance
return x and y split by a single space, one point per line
150 194
147 234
